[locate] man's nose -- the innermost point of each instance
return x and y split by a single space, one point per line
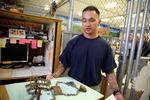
88 23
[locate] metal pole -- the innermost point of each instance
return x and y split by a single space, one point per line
127 40
119 69
71 9
133 47
132 95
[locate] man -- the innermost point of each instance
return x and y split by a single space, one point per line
87 54
146 46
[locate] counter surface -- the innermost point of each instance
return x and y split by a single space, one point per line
17 91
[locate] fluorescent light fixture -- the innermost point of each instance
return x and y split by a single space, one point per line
46 7
80 14
100 10
139 25
105 19
55 1
119 18
132 25
141 14
111 5
121 25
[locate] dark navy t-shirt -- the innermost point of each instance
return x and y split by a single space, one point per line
86 58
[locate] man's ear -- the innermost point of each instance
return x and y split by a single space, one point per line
99 21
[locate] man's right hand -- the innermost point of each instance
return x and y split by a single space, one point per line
60 69
49 77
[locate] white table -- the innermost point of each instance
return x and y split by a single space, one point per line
17 91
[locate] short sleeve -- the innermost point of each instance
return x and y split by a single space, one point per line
109 63
65 57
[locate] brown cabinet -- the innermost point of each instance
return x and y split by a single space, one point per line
28 29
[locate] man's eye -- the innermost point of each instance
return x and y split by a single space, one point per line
92 20
83 20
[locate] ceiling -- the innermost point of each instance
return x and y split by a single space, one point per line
113 12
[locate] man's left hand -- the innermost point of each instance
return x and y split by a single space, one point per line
119 96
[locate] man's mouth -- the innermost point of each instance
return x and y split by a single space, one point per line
88 28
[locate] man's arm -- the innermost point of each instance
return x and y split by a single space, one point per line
114 86
59 71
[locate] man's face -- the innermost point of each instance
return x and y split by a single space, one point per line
90 22
130 37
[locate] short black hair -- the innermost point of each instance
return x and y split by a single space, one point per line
91 8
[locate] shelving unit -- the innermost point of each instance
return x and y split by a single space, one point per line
32 23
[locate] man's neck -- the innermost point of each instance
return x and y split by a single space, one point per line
90 36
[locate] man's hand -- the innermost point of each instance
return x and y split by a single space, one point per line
114 86
49 77
59 71
119 96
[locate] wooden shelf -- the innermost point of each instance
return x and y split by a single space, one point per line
26 17
12 22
